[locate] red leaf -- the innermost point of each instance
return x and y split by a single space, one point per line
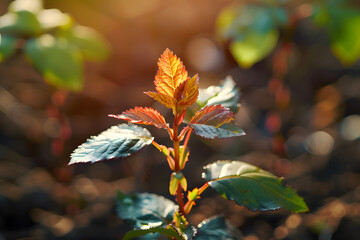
214 115
140 115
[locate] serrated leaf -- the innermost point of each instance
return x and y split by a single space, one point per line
217 228
169 231
214 115
171 73
116 142
140 115
91 43
252 187
174 88
166 100
226 130
215 122
7 46
22 23
144 210
187 93
225 94
58 61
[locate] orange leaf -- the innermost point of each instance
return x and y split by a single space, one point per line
187 93
171 73
140 115
214 115
166 100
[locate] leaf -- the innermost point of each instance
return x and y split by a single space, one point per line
342 25
116 142
7 46
166 100
53 18
169 231
252 29
226 130
22 23
214 115
144 210
215 228
253 47
59 62
252 187
140 115
187 92
174 88
33 6
176 179
91 43
171 73
215 122
225 94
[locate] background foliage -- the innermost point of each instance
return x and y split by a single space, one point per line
300 110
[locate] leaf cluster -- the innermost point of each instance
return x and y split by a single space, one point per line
254 30
51 40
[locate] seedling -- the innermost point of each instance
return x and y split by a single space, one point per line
208 113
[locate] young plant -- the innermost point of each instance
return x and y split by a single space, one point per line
206 112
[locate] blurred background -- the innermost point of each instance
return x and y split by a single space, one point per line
300 108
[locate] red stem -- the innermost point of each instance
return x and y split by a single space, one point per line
177 167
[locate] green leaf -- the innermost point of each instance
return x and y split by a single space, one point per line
226 94
217 228
225 130
252 187
116 142
20 23
342 25
92 44
169 231
145 210
253 30
253 47
7 46
58 61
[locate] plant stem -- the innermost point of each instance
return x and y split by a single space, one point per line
177 167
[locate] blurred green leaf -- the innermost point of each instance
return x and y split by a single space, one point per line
93 45
59 62
217 228
342 25
33 6
169 231
116 142
226 94
20 23
253 47
252 29
145 210
252 187
7 46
